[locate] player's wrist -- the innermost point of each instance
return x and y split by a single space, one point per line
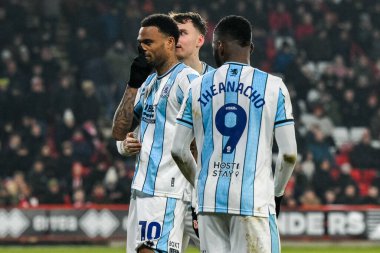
120 148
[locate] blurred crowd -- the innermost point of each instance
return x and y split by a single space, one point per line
64 65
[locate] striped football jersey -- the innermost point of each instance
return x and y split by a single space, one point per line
156 107
206 68
233 111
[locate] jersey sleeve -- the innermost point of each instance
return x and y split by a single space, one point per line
185 116
183 86
139 100
284 113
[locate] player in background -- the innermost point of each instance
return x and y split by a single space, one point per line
232 112
193 29
192 32
159 200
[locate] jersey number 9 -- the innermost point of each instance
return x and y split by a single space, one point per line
230 120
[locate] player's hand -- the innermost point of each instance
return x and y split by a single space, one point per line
278 204
140 70
131 145
195 221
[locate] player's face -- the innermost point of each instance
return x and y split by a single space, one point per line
189 42
217 51
155 44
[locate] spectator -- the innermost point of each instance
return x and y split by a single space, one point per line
301 181
66 128
80 48
329 197
65 163
78 178
319 119
53 194
372 197
38 179
322 180
10 152
280 20
82 147
350 109
363 155
64 96
318 146
344 179
349 195
99 195
79 198
308 166
283 58
309 199
37 101
88 106
306 29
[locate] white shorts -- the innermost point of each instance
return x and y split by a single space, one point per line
155 222
132 224
224 233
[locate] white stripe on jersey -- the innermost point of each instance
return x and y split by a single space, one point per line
233 111
156 107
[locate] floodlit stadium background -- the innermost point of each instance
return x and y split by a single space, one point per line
63 68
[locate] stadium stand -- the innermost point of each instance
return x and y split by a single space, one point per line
64 64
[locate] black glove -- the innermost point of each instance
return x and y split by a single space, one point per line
278 204
195 221
140 70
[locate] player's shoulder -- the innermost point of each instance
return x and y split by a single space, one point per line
150 78
273 80
187 70
149 81
187 73
209 75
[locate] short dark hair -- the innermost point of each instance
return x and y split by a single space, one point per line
164 23
235 28
199 23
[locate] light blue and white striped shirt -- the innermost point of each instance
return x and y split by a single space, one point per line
156 107
233 111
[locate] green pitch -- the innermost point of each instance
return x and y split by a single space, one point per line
100 249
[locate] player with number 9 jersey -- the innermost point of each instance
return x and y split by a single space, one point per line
233 112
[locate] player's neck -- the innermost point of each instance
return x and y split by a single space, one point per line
194 63
242 59
166 65
237 54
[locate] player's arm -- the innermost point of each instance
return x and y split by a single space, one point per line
183 137
123 121
123 118
181 152
286 142
286 160
183 86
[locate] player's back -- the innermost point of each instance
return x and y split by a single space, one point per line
235 109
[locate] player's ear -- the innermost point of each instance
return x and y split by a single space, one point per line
201 40
252 47
170 42
221 47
